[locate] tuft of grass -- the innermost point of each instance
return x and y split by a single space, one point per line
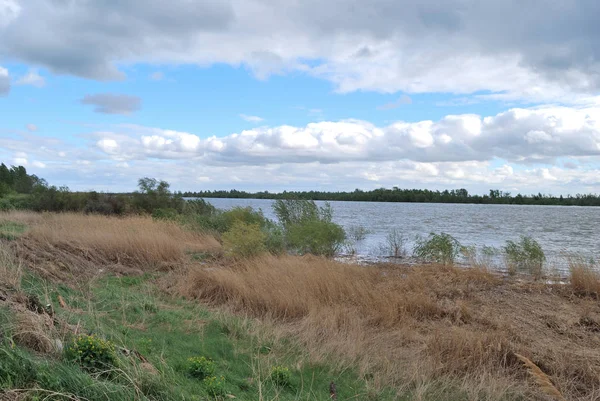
584 278
541 379
11 268
11 230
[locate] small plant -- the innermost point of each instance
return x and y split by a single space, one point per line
357 233
244 240
201 367
395 244
316 237
92 353
214 386
439 248
281 376
527 254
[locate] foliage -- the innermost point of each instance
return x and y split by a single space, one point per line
308 228
495 196
439 248
357 233
527 254
316 237
281 376
165 214
201 367
290 212
154 194
10 230
214 386
92 352
198 207
244 240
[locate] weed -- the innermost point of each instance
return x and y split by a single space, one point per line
439 248
214 386
281 376
244 240
92 353
200 367
395 244
527 254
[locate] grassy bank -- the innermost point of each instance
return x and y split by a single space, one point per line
275 327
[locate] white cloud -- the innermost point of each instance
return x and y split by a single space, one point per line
251 119
401 101
547 149
4 81
32 78
38 164
414 46
31 127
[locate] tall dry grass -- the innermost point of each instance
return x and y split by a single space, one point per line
11 269
76 241
584 278
413 325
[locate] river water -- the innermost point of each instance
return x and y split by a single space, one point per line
560 230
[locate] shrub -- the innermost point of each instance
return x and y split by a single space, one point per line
92 353
275 239
316 237
439 248
199 207
244 240
281 376
165 214
395 244
200 367
214 386
357 233
290 212
527 254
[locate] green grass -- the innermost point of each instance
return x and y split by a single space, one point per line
134 314
10 230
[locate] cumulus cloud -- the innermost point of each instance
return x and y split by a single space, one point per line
251 119
32 78
109 103
4 81
544 51
517 135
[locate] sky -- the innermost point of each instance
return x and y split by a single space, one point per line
303 95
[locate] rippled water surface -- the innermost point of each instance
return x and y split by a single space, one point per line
559 229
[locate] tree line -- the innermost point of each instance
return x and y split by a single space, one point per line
495 196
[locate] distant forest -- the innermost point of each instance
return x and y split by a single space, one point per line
18 189
396 194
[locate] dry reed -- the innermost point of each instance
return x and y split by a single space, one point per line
74 242
405 326
585 280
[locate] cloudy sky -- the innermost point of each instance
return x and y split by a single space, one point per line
288 94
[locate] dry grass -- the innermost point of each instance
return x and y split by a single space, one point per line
414 325
585 279
59 244
11 269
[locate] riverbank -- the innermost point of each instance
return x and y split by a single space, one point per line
162 294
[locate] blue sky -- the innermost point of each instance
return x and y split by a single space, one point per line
256 96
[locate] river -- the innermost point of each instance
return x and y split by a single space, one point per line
560 230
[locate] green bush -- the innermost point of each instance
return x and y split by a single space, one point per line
527 254
198 207
275 239
316 237
357 233
244 240
438 248
281 376
92 353
165 214
214 386
200 367
290 212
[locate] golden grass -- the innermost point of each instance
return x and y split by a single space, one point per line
71 242
542 379
406 326
585 280
11 269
